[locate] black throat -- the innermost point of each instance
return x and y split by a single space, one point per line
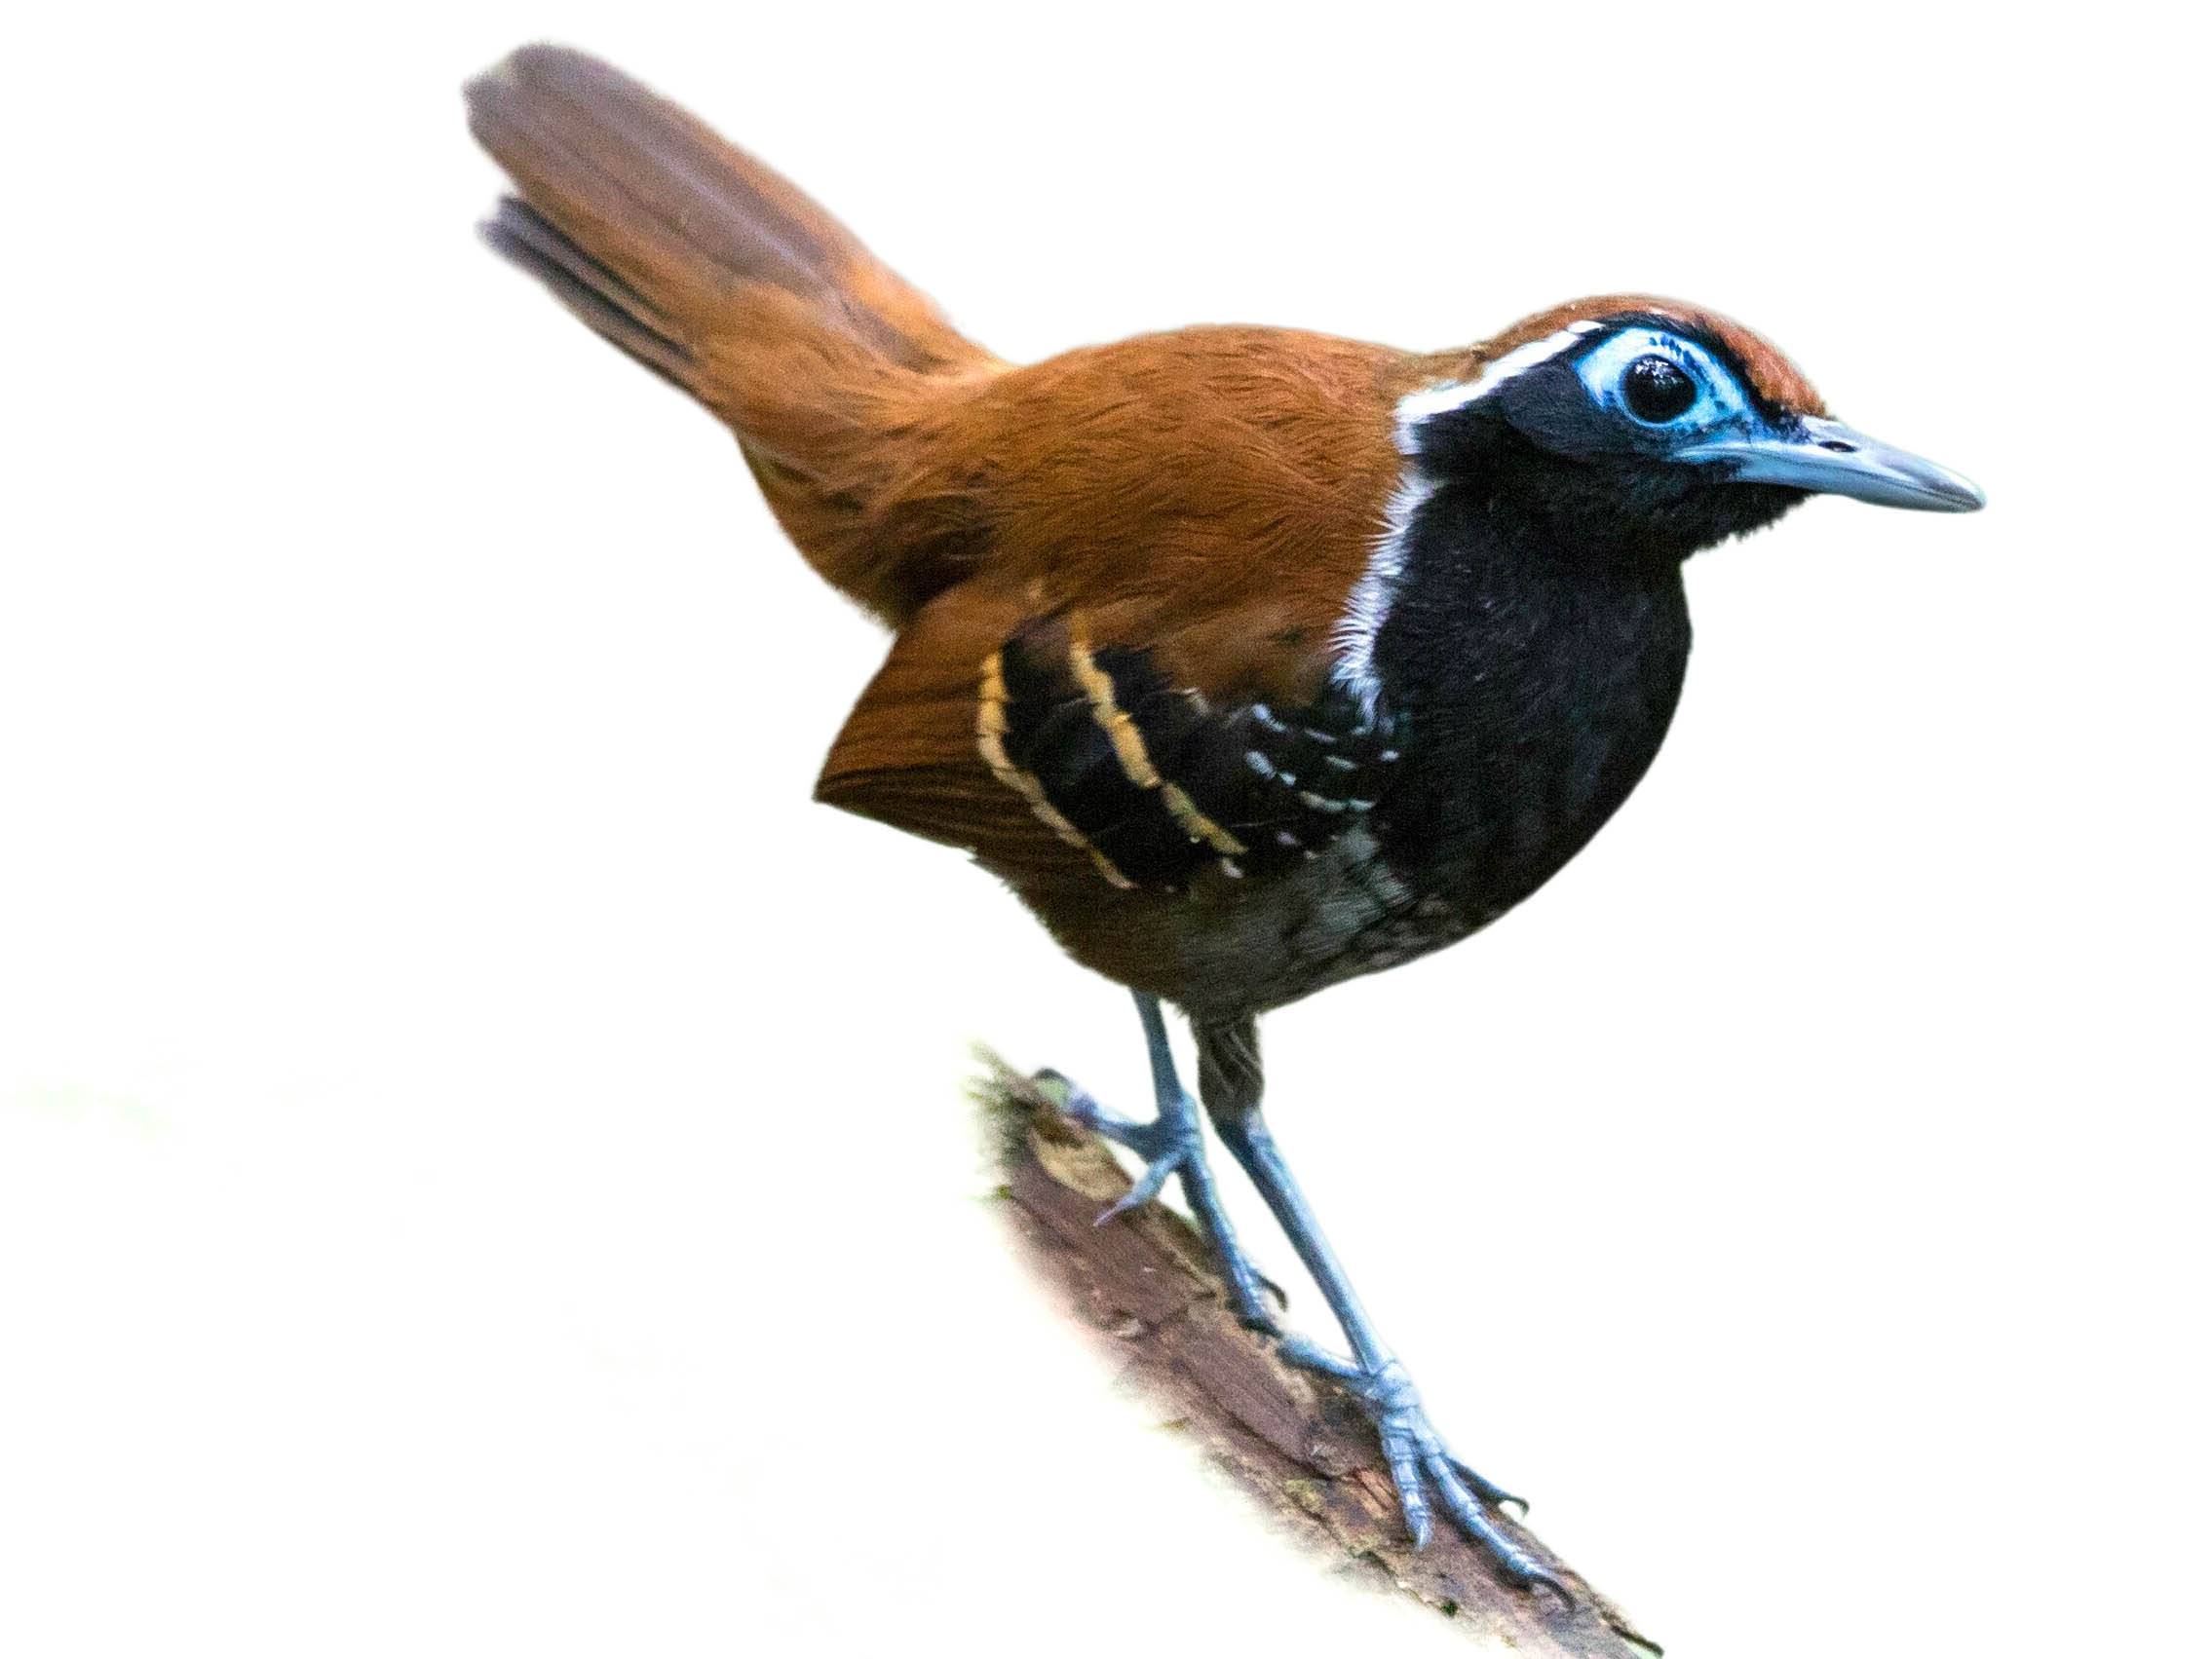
1533 654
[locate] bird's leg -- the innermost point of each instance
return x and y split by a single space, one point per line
1172 1144
1420 1463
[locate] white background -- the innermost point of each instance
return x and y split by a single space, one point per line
483 1160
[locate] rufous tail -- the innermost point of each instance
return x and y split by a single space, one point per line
720 274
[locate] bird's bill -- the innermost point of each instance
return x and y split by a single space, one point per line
1832 458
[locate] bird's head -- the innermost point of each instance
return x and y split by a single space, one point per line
1649 425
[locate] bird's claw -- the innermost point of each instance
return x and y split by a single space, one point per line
1146 1189
1173 1146
1420 1463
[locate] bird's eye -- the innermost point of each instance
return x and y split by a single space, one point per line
1656 390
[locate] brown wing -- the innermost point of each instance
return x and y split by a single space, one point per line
1053 756
1168 532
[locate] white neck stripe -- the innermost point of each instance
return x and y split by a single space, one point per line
1368 605
1433 400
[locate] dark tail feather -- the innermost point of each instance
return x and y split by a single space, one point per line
601 299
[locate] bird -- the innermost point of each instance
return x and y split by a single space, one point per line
1252 661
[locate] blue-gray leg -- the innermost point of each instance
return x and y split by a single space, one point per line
1420 1463
1173 1144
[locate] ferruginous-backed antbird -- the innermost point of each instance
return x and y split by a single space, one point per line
1250 659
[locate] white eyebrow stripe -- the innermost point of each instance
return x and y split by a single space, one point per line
1433 400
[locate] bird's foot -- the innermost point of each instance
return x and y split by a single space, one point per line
1172 1145
1421 1463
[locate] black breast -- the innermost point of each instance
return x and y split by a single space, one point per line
1532 684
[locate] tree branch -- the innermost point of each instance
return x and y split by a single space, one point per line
1145 1285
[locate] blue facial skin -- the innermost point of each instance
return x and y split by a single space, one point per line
1586 407
1722 405
1578 404
1556 457
1726 431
